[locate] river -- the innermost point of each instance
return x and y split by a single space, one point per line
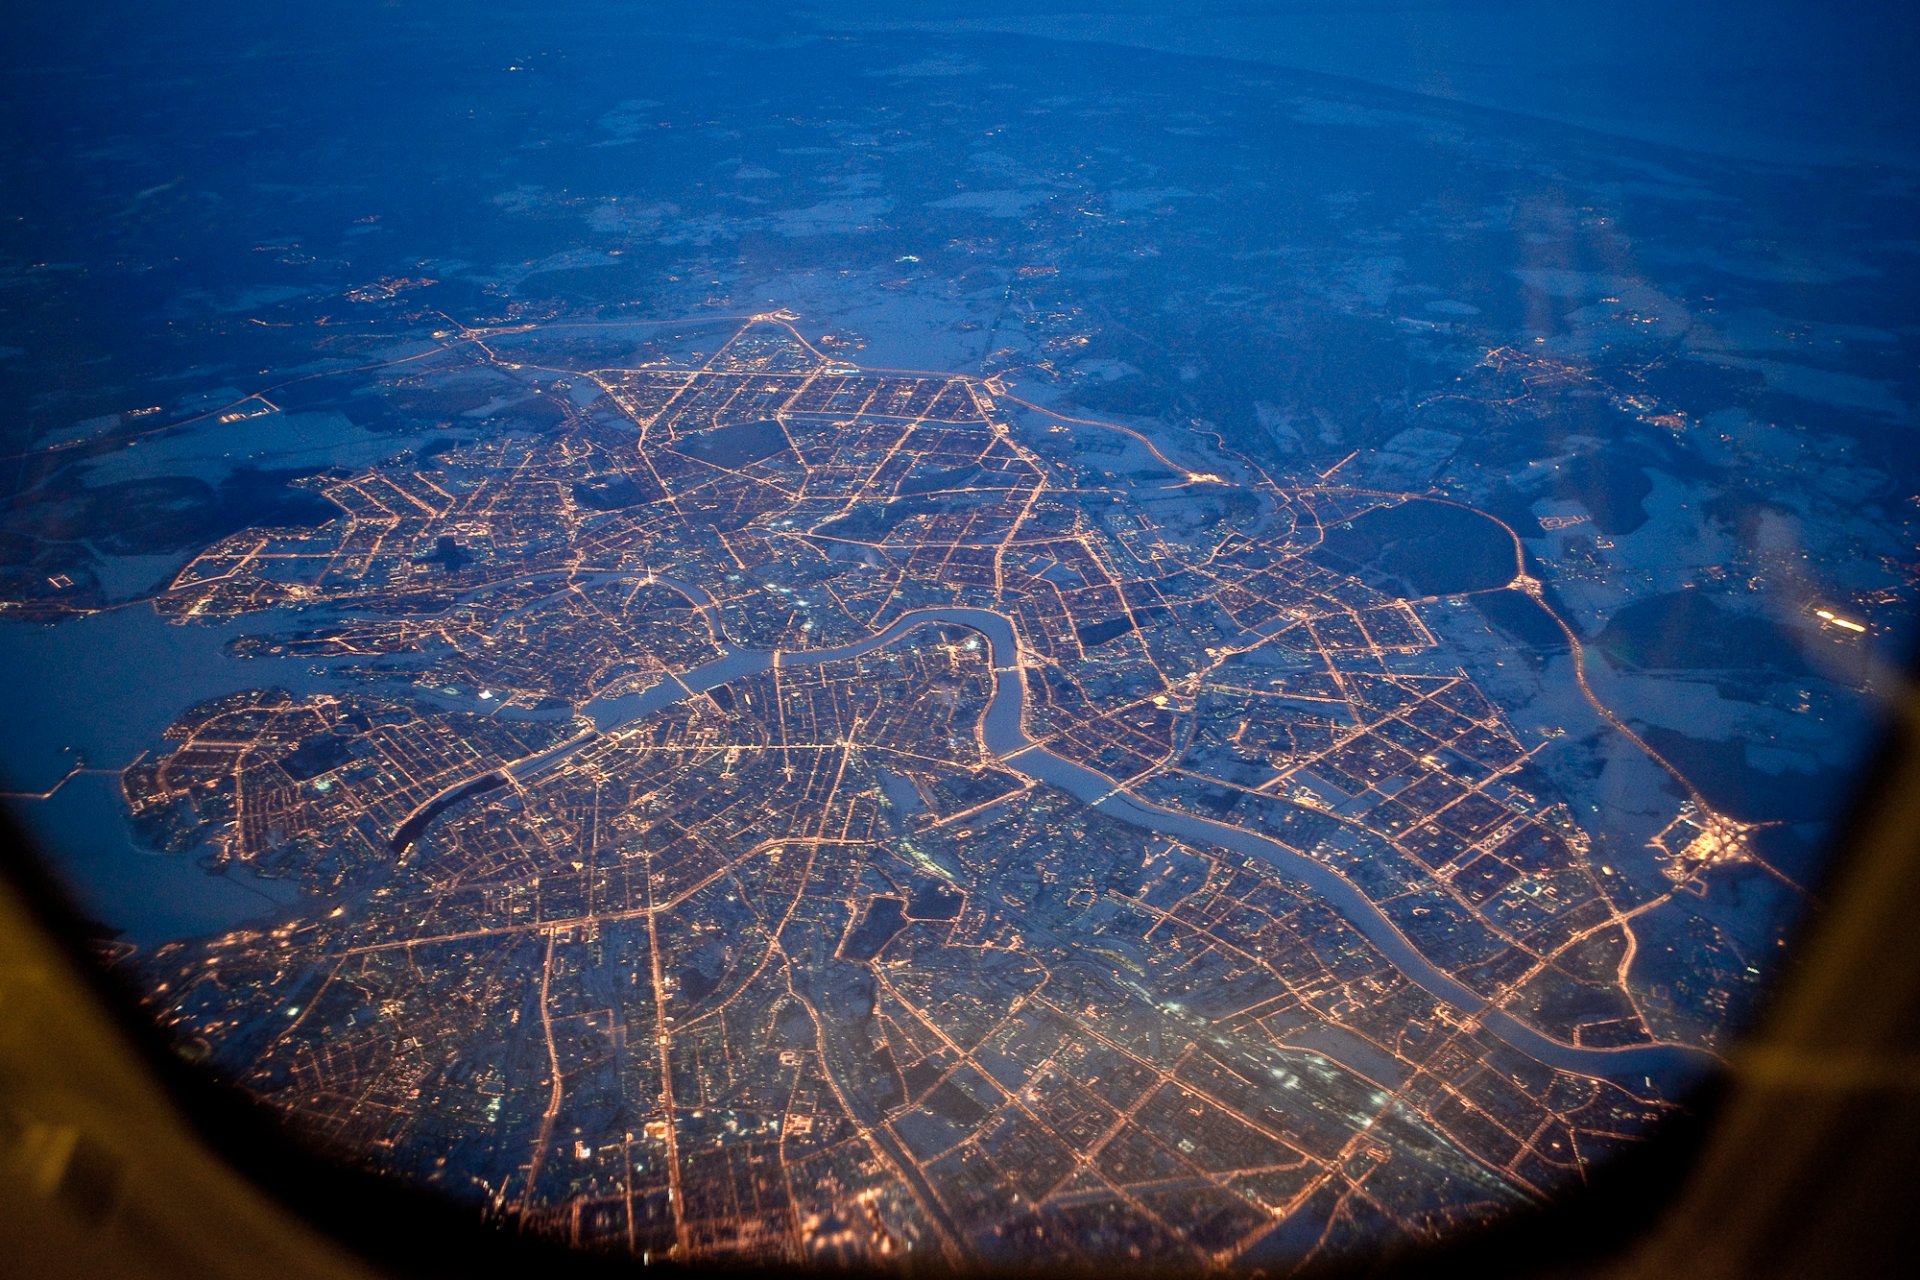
1672 1067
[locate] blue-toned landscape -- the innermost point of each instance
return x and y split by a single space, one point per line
1218 636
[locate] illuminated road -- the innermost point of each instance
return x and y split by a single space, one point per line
1005 735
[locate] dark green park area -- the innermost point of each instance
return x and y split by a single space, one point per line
1688 631
736 446
1432 548
1732 784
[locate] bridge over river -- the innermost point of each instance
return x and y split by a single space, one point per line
1673 1067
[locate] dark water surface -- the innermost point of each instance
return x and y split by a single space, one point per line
100 691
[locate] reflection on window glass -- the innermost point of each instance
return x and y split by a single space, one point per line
1000 635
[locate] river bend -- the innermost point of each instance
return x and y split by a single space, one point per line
1673 1067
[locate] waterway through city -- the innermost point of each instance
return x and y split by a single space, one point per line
1673 1067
